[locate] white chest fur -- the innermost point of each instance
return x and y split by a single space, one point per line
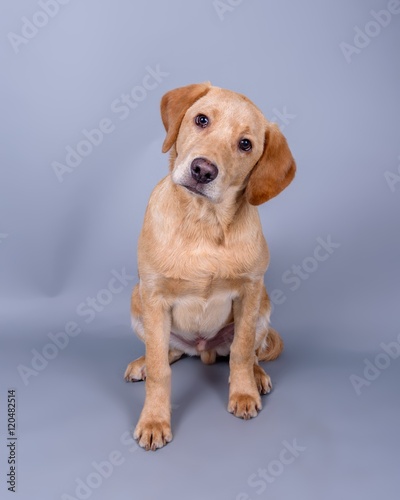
193 316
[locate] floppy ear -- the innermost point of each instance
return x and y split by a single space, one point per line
174 105
274 170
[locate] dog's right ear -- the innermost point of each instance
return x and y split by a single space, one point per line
274 170
174 105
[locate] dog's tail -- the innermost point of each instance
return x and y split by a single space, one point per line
274 346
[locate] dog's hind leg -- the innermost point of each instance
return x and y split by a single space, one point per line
263 380
272 347
136 370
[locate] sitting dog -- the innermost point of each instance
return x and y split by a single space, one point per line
202 254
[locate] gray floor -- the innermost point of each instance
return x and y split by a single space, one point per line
330 428
78 412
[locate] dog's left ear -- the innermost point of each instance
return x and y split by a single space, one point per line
174 105
274 170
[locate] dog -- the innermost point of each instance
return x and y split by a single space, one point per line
202 254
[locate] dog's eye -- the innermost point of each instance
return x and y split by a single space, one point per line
201 121
245 145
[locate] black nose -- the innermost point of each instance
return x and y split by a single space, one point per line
203 171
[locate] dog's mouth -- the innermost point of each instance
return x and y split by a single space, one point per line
193 190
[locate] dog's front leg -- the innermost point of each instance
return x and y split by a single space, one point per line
154 427
244 398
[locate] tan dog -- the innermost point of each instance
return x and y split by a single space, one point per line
202 255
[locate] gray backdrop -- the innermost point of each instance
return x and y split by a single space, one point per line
81 143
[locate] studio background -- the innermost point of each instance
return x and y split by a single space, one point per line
71 211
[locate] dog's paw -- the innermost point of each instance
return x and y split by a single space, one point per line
136 370
263 381
244 406
152 434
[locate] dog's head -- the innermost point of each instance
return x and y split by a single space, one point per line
223 144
